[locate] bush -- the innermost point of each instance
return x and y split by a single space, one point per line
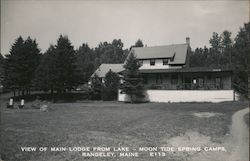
109 94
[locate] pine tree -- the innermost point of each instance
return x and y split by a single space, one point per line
216 49
66 75
110 87
1 70
139 43
226 44
133 83
96 87
21 64
85 62
44 78
58 69
241 59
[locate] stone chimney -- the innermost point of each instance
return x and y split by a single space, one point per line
188 41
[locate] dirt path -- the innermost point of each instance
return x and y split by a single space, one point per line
236 144
239 137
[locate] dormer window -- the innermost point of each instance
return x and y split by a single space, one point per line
165 61
152 62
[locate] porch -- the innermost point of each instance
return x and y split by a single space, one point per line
187 79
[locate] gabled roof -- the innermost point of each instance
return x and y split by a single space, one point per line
178 51
103 69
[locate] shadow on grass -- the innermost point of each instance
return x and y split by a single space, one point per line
57 98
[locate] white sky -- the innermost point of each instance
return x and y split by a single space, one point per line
155 22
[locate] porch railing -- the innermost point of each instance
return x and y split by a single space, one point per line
186 86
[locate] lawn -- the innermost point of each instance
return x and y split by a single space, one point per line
109 124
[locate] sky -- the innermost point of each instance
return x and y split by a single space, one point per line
92 22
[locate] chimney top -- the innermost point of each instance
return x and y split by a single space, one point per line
188 40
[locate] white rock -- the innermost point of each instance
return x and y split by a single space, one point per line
44 108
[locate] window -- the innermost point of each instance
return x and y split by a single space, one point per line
159 78
165 61
174 79
201 81
152 62
218 82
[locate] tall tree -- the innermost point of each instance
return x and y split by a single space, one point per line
58 69
85 62
133 82
226 45
216 49
110 52
1 68
241 59
139 43
21 64
197 58
110 86
45 74
96 87
66 75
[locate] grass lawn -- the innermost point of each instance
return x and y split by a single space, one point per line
108 124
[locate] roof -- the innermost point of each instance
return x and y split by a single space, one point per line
186 70
103 69
178 51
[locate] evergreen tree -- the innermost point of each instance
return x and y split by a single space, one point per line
197 58
133 83
96 87
216 49
110 87
85 62
45 74
66 75
21 64
1 69
226 44
139 43
241 59
58 70
110 52
32 59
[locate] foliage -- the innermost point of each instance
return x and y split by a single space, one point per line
241 59
44 79
110 86
96 88
58 71
218 55
85 58
1 68
133 83
225 52
110 52
20 65
138 43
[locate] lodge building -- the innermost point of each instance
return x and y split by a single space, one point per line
168 76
